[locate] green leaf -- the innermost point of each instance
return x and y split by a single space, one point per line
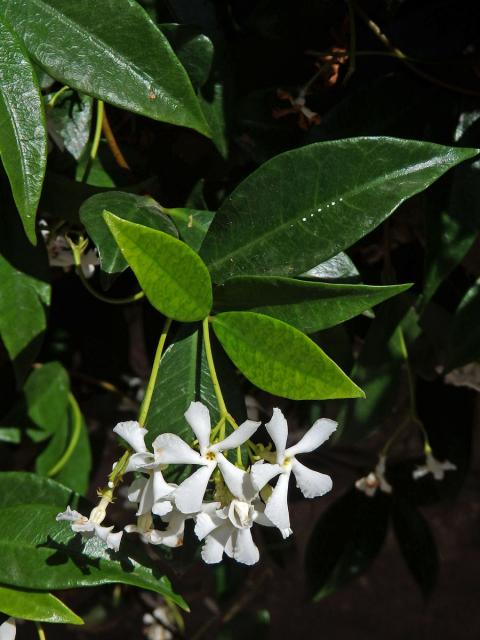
23 137
127 206
464 343
280 359
417 543
32 605
174 278
308 306
70 121
131 66
192 225
20 488
10 434
39 553
305 206
46 399
345 541
193 48
338 269
184 377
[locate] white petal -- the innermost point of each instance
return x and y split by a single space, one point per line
173 534
245 550
198 417
8 630
278 430
237 437
277 505
205 523
311 483
146 498
70 515
161 488
420 472
136 489
170 449
238 481
262 473
212 550
139 461
318 433
133 434
259 515
162 507
189 495
112 540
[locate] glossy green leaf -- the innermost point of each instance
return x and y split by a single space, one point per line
464 343
40 553
46 399
10 434
174 278
280 359
305 206
308 306
212 102
345 541
19 488
417 543
69 122
126 62
127 206
192 225
193 48
184 377
23 138
32 605
339 268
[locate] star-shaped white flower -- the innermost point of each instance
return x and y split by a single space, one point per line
8 630
171 449
228 529
375 480
153 495
89 528
311 483
433 466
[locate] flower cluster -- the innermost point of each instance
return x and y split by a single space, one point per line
223 499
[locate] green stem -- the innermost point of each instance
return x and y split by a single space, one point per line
76 431
96 140
53 100
153 376
40 632
96 294
213 374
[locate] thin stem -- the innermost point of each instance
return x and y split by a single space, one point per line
411 391
76 431
153 376
96 140
53 100
113 144
388 445
96 294
213 374
40 631
352 53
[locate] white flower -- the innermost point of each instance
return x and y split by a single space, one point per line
171 449
228 529
375 480
433 466
60 254
8 629
311 483
88 527
153 495
159 622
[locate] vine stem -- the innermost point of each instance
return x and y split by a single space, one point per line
153 376
40 631
96 140
76 430
113 144
213 374
96 294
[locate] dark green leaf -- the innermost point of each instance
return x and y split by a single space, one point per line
280 359
126 62
19 488
23 137
417 544
194 50
69 122
32 605
46 399
174 278
212 103
345 541
9 434
464 344
192 224
308 306
305 206
338 269
127 206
